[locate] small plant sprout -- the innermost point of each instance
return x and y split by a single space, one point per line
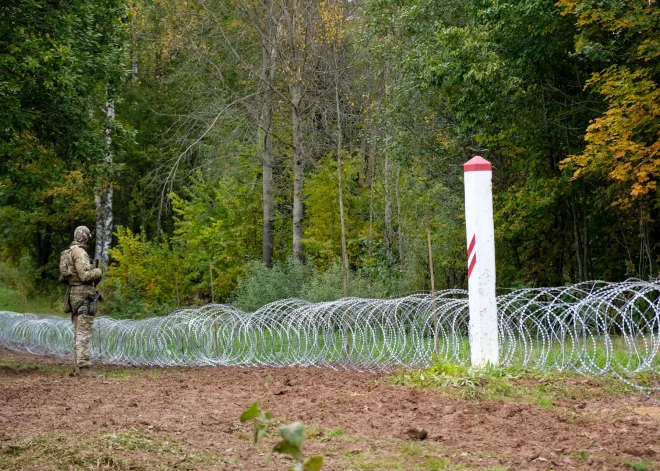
292 436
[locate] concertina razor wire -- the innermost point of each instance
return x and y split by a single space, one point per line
589 328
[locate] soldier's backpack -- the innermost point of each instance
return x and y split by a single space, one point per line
67 267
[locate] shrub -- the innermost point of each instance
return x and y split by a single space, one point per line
142 281
286 280
329 285
261 285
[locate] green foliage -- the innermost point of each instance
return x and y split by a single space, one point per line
261 285
623 144
42 203
328 285
287 280
18 292
292 436
217 223
502 80
511 383
487 383
30 301
582 455
214 230
562 99
322 236
143 279
59 64
639 465
18 278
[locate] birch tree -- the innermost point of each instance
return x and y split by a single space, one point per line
103 195
296 53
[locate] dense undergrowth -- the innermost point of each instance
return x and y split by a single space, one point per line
139 293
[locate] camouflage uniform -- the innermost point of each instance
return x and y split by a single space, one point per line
80 286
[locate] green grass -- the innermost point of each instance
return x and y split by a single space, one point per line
11 300
281 345
513 384
111 373
315 432
581 455
60 452
336 433
111 451
26 367
134 439
412 449
544 401
405 463
437 464
639 465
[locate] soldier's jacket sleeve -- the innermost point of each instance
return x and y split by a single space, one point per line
84 267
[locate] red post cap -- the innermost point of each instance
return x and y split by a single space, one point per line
476 164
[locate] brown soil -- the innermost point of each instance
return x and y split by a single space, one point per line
187 418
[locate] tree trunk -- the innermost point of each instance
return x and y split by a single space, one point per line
644 245
176 287
388 209
362 178
371 159
398 215
134 67
211 282
298 167
578 241
585 247
370 181
104 220
432 274
344 254
266 124
103 199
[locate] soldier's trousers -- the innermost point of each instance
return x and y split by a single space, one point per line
82 329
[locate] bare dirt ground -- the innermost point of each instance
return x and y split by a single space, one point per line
187 418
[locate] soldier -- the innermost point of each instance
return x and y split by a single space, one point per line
81 278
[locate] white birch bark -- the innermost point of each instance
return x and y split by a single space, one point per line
103 198
298 167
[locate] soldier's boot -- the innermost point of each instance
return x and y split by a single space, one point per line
88 372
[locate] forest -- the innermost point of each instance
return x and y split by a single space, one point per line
243 151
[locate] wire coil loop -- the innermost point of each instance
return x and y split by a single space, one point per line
589 328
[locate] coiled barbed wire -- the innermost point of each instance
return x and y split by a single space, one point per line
590 328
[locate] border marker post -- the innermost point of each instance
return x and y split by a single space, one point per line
480 231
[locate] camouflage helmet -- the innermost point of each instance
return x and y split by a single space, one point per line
82 234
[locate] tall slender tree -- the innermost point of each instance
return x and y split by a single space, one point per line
103 194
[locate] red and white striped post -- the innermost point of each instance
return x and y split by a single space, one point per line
480 228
